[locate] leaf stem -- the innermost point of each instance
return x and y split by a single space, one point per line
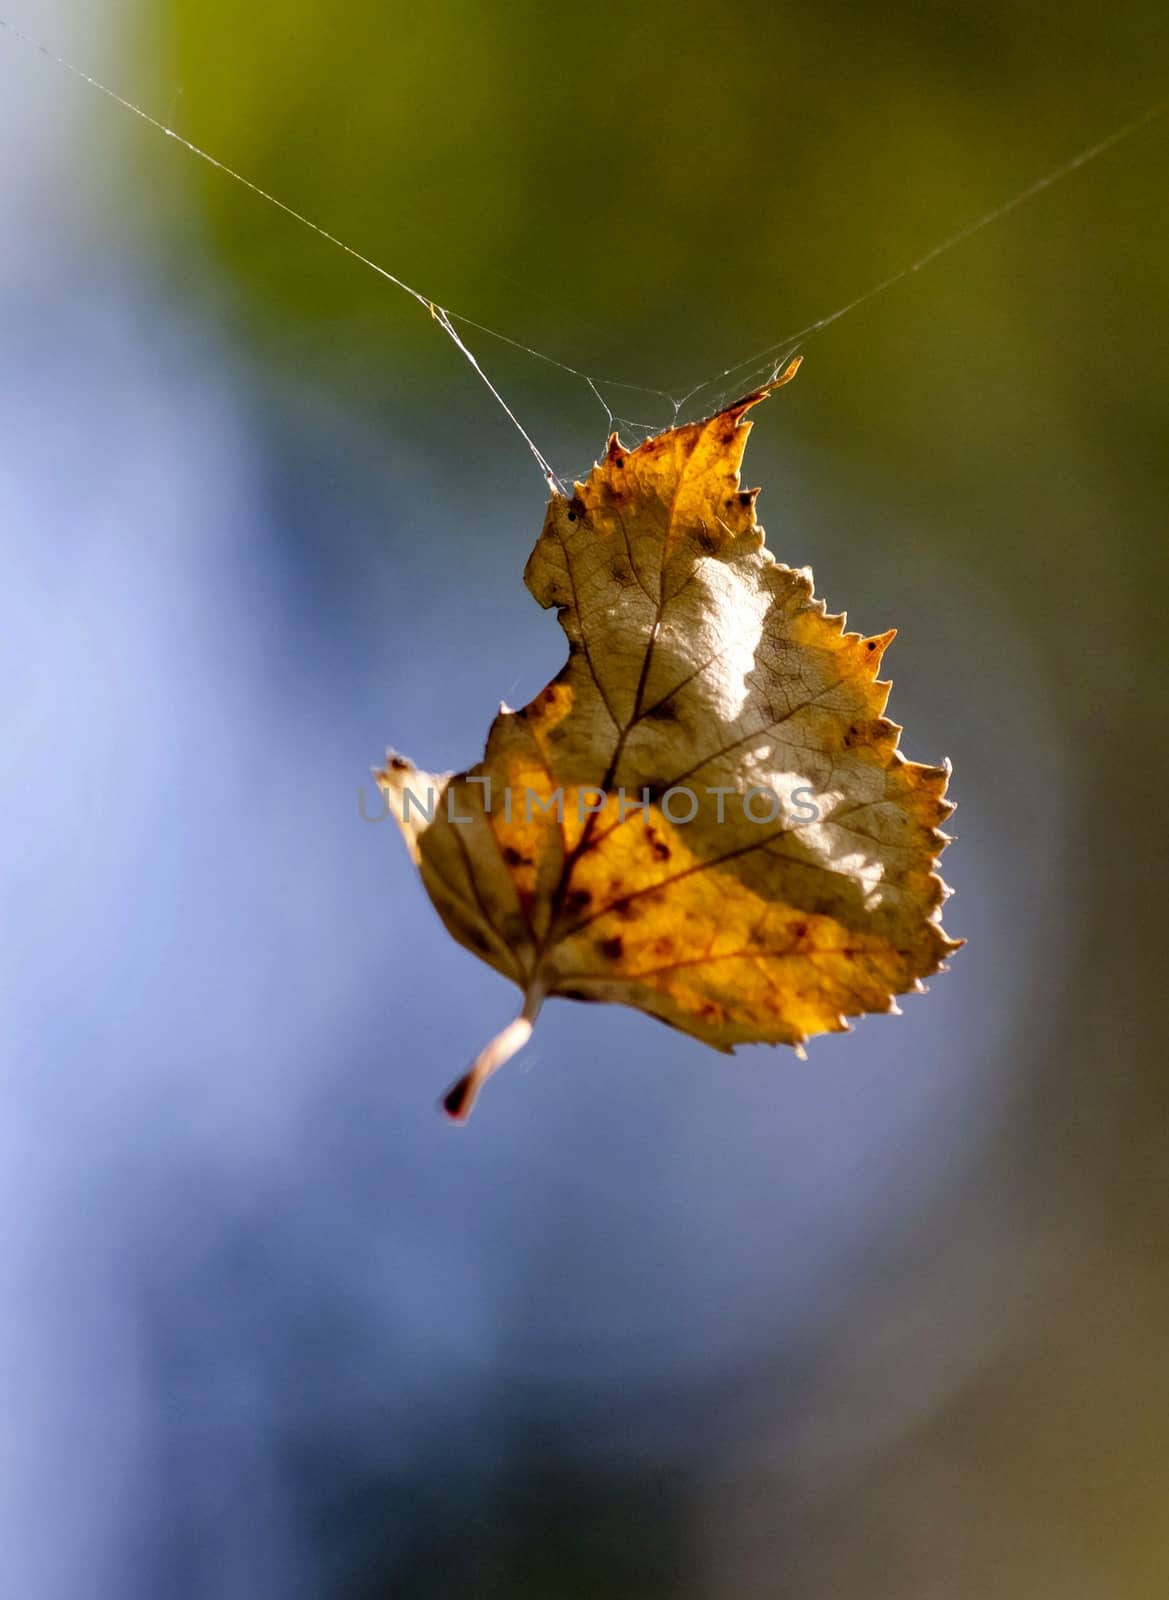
459 1100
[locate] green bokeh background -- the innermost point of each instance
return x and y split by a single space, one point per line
653 192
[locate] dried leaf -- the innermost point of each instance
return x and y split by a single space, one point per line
705 814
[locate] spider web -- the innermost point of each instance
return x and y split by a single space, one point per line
617 396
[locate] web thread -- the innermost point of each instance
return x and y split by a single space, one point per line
758 370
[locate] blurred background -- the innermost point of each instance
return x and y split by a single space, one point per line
890 1323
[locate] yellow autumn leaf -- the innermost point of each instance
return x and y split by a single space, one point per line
705 814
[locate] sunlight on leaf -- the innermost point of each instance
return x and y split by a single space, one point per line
705 814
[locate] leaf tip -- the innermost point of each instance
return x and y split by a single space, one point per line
787 374
738 407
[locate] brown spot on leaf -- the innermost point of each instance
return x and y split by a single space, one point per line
658 846
577 901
